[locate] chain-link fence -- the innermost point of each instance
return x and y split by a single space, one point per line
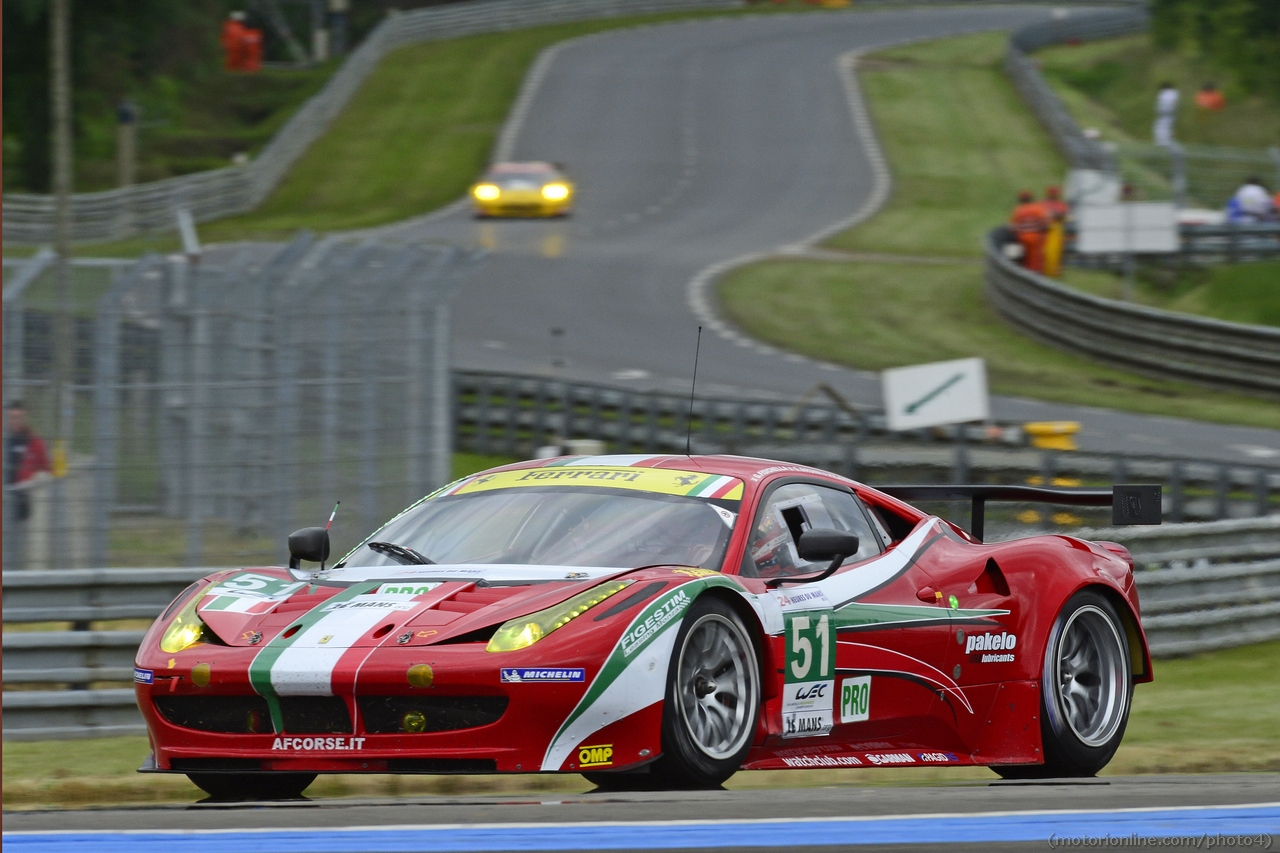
1203 176
219 405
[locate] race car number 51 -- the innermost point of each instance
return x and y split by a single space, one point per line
808 698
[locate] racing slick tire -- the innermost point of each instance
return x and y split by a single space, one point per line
256 786
712 703
1086 691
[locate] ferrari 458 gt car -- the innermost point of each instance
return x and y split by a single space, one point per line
523 189
660 620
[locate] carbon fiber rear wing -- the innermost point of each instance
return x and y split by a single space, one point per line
1130 504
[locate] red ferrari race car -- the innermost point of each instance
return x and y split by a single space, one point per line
655 621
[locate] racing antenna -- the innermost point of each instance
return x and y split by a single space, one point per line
329 523
688 425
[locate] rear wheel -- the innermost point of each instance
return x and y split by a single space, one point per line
256 786
1086 690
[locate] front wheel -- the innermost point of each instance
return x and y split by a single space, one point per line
256 786
1086 690
712 699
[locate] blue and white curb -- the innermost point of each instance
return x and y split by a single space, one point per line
1257 821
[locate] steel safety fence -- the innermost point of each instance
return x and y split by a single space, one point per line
216 406
1211 352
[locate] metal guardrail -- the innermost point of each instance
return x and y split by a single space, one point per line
1080 151
1203 587
1147 340
149 208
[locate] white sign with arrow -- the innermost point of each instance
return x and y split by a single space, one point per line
944 392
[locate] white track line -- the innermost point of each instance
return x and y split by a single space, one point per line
623 824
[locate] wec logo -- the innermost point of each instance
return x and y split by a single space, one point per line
812 691
595 756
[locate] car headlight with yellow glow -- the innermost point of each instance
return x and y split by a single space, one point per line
527 630
486 192
186 629
555 192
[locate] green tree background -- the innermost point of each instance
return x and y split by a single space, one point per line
1241 36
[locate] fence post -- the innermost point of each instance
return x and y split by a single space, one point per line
198 411
106 378
1175 492
1222 489
441 414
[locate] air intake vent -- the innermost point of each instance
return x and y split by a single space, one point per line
315 714
226 714
472 600
417 714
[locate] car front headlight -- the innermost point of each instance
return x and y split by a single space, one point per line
486 192
527 630
186 629
555 192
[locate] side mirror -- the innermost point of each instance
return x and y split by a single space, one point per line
823 543
309 543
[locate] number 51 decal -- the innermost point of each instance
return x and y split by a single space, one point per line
808 697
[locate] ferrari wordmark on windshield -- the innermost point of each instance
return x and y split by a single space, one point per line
614 517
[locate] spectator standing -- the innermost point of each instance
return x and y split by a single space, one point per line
27 457
1251 203
233 41
1166 111
1055 210
1210 98
1029 224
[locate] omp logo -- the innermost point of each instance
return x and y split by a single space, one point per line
595 756
812 691
991 643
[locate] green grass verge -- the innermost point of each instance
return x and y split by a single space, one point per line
960 144
1241 293
1111 85
877 315
1208 713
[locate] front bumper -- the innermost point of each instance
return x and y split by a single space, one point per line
317 736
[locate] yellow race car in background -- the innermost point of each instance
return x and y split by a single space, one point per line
523 189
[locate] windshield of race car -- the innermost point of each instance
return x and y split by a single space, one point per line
625 518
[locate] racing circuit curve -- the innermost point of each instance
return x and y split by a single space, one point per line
697 146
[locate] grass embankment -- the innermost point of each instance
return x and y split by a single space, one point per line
412 139
960 145
1111 85
1209 713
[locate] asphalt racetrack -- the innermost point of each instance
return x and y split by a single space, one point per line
1084 814
694 146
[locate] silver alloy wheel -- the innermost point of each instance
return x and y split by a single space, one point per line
717 684
1091 675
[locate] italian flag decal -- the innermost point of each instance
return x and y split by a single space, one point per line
303 662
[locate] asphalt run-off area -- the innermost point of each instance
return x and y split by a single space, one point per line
1201 812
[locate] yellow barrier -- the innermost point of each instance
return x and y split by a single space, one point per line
1053 435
